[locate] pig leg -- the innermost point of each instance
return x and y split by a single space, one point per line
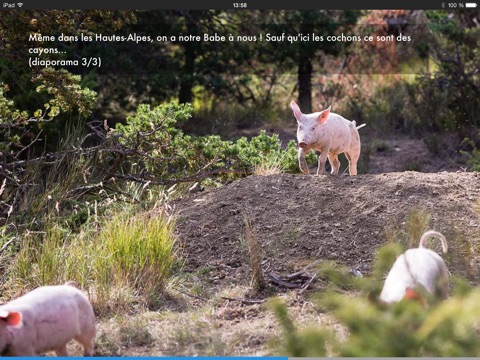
301 161
353 152
352 162
87 341
62 351
322 160
333 159
442 283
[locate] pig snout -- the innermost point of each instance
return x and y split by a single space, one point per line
302 145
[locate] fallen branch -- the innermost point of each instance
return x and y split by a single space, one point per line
299 276
191 178
49 158
307 285
303 272
4 247
191 295
245 301
276 280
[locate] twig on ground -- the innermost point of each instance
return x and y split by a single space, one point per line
191 295
276 280
4 247
307 284
245 301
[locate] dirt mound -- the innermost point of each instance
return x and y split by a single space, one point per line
300 218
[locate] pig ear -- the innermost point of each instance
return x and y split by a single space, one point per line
322 118
13 318
296 111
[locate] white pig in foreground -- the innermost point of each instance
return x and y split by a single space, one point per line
329 133
45 319
415 267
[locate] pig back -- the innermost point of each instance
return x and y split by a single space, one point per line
339 132
52 316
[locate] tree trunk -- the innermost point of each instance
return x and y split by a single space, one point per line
305 70
186 81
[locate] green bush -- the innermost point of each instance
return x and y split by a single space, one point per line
158 149
473 157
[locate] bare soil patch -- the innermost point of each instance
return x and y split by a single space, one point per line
301 218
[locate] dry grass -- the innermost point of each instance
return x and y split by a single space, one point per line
268 167
476 206
124 264
461 252
417 222
216 327
258 280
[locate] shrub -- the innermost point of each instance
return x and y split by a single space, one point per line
408 328
157 150
405 329
473 157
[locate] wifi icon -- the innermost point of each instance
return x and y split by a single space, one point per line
19 4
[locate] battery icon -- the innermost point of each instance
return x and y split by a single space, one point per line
470 5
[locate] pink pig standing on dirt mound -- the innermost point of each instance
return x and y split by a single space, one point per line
329 133
45 319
